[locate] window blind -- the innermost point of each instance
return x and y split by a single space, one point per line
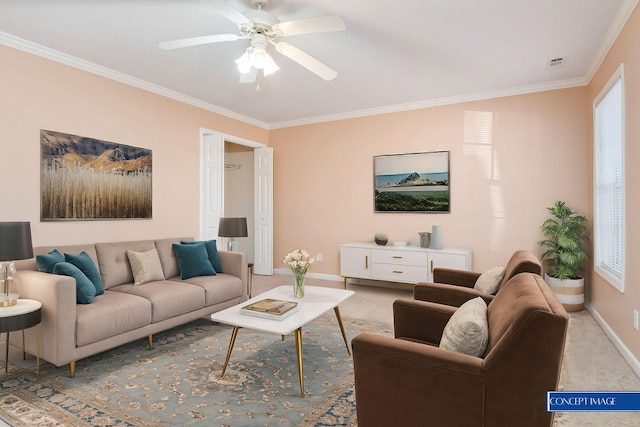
608 183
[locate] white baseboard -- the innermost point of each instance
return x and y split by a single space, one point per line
321 276
633 362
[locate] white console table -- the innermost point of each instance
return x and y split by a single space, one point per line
403 264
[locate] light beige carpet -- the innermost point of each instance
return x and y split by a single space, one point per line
592 363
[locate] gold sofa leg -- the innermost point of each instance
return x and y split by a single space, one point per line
72 369
150 340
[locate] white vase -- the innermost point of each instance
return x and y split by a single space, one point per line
436 237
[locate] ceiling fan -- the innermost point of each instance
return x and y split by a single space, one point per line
262 28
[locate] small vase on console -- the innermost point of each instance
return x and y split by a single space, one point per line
425 239
436 237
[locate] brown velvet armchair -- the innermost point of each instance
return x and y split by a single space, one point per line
408 380
455 287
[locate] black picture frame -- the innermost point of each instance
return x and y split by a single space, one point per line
412 182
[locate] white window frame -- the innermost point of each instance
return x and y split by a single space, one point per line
615 278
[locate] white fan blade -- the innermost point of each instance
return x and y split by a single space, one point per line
312 25
225 9
195 41
306 60
249 77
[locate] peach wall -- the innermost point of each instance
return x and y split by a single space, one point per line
617 308
41 94
510 158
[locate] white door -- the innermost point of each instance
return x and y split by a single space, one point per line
212 186
263 211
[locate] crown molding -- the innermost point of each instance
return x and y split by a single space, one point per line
54 55
479 96
624 12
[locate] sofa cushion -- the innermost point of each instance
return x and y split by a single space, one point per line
212 250
193 260
84 262
168 299
167 255
489 281
47 261
467 330
85 291
114 263
110 314
218 288
145 266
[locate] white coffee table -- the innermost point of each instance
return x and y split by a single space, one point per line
316 302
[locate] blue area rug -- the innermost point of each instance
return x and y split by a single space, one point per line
178 382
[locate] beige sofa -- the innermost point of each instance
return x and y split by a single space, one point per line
124 313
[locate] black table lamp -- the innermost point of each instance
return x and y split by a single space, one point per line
232 228
15 244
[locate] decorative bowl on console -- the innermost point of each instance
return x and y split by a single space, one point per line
381 239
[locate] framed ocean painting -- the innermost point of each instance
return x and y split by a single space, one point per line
412 182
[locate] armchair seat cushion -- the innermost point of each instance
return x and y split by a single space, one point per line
467 330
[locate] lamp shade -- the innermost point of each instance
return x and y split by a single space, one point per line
233 227
15 241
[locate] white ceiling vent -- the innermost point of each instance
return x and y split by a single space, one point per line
556 62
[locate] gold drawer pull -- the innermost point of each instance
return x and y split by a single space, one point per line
366 262
396 257
432 266
398 272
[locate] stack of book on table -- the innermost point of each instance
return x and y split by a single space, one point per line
270 309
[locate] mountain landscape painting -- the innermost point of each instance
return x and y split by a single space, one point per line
89 179
412 182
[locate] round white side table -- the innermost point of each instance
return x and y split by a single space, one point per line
23 315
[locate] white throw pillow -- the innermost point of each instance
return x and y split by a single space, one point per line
490 280
467 330
146 266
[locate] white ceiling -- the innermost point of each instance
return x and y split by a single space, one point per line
394 55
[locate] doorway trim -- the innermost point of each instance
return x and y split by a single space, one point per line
219 171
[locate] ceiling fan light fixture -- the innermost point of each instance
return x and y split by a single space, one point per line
271 67
244 62
260 58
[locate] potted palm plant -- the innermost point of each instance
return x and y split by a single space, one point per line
564 253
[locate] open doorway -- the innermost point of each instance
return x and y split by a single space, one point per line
228 164
238 191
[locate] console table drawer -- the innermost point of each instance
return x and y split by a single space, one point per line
400 258
399 273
